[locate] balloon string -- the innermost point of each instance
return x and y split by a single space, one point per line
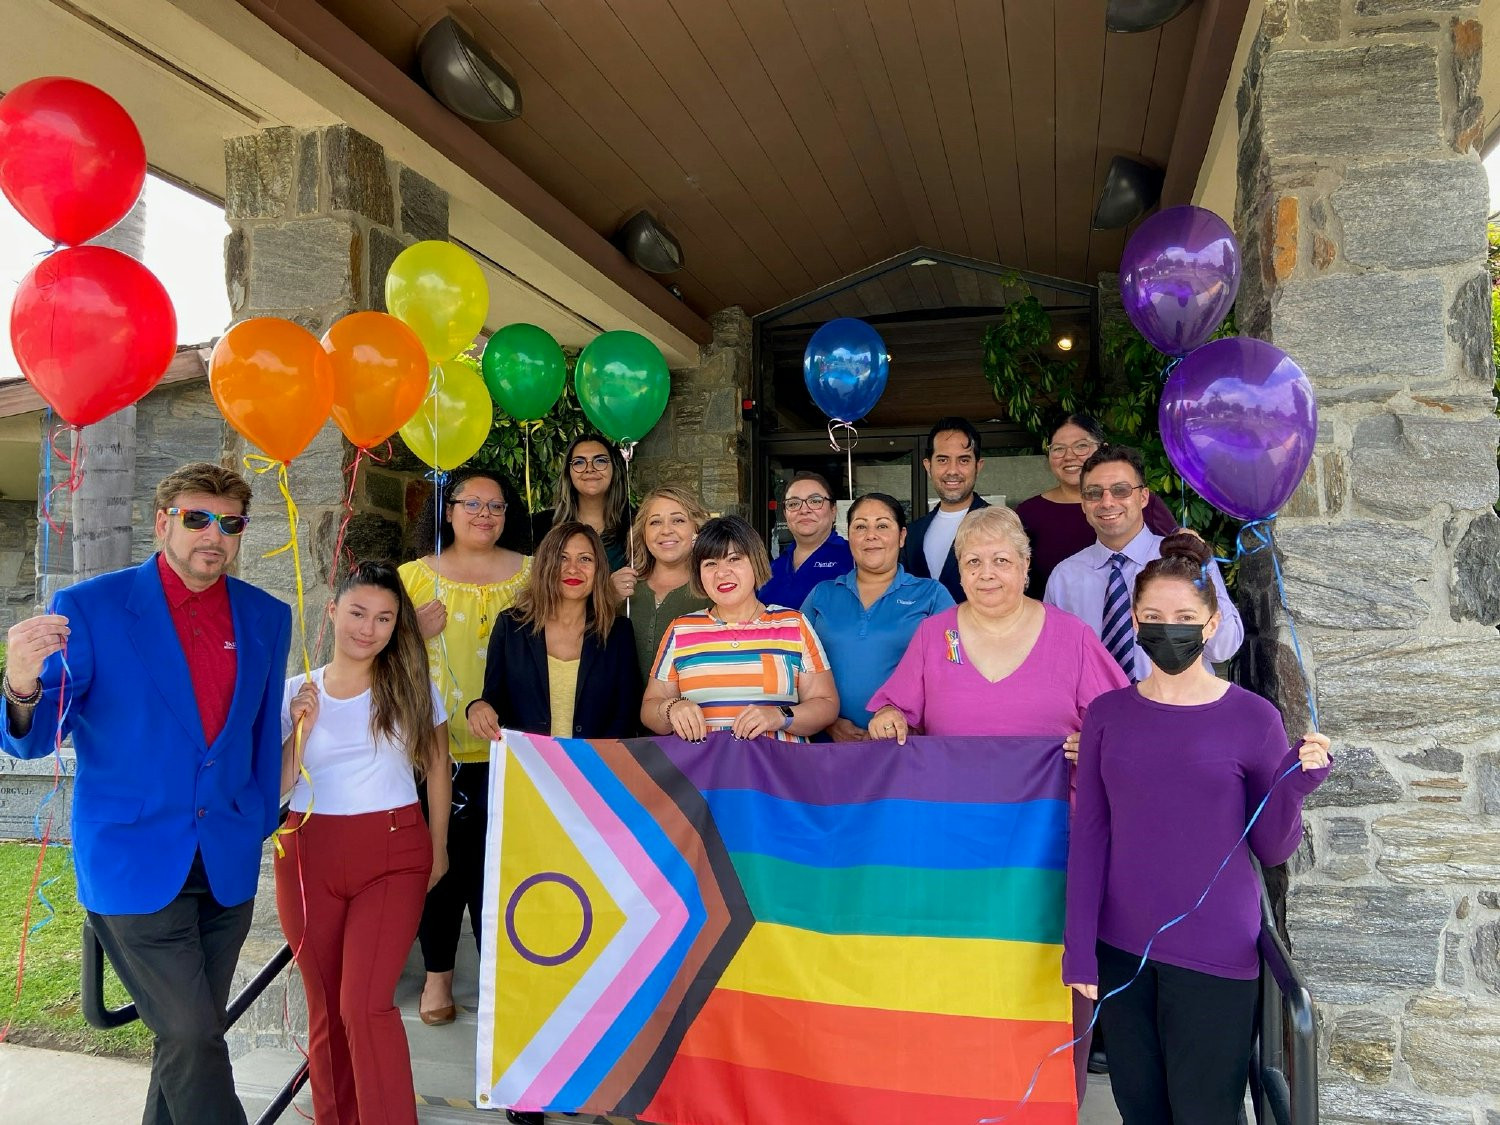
260 465
530 520
1146 953
627 451
852 436
1260 533
73 459
42 824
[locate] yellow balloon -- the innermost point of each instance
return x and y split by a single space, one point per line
441 294
454 420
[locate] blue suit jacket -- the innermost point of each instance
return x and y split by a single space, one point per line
149 790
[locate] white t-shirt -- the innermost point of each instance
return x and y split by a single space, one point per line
351 772
939 539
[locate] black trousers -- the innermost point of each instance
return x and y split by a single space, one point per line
1179 1041
463 885
178 964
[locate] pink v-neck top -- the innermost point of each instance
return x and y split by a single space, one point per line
940 691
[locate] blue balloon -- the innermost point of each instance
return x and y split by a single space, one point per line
845 367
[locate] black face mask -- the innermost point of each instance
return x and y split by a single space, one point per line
1171 648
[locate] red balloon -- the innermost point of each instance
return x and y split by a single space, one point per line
93 330
71 159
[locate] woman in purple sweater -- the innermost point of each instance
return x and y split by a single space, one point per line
1169 772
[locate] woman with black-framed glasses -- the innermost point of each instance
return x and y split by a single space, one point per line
467 577
1054 520
591 489
818 552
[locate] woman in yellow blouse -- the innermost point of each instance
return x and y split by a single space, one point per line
460 591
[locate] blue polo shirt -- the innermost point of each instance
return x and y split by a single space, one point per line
790 588
865 645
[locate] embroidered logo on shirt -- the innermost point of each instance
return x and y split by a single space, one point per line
825 565
904 601
229 646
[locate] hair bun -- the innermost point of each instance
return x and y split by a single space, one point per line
1185 545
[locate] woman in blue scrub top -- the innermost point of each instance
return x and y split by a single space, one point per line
867 617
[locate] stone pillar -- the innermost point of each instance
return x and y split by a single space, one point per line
1361 212
703 442
316 217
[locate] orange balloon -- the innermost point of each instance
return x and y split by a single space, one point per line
380 375
273 383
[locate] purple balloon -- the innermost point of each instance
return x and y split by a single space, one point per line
1239 420
1178 277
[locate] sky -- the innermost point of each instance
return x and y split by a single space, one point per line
184 248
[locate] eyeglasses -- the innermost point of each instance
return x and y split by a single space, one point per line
196 519
474 507
1081 448
598 462
814 503
1119 490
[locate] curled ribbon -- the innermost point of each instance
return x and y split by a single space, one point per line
851 435
260 465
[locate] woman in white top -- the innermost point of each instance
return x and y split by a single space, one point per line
358 858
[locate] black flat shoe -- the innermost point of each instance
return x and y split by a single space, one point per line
1098 1062
519 1117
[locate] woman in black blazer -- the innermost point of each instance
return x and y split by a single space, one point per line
561 660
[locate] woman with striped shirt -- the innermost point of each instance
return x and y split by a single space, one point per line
740 666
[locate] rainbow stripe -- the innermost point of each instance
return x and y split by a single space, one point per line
732 931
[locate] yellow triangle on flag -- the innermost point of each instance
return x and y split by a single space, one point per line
548 918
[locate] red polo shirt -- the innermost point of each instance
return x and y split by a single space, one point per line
205 628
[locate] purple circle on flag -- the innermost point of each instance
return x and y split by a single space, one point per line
583 933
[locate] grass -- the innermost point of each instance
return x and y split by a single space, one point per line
47 1013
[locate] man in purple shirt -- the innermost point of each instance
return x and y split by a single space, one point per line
1115 495
818 552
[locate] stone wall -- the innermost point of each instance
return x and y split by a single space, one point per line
18 530
316 218
1362 213
702 442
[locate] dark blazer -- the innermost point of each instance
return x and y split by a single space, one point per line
915 560
150 790
607 701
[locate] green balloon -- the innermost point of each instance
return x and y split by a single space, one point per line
524 370
622 385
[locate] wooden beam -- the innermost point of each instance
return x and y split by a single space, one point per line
18 396
1211 70
319 34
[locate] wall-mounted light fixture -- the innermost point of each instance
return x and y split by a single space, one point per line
649 244
1065 343
465 77
1131 188
1141 15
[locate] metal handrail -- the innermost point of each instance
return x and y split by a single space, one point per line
97 1015
1286 1059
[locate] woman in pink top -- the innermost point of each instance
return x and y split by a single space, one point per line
999 664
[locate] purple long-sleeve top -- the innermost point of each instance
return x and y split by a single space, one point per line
1164 793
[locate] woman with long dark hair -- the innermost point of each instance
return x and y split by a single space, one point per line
591 489
359 857
468 575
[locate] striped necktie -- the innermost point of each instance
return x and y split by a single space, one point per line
1117 634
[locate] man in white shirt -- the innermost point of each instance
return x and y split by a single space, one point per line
953 462
1114 490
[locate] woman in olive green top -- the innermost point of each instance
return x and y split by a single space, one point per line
656 587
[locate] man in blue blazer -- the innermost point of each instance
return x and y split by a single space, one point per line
953 462
168 676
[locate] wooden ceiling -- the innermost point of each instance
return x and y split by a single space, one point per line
789 143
